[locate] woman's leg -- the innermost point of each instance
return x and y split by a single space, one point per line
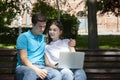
80 74
67 74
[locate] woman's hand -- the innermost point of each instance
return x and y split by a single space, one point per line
72 43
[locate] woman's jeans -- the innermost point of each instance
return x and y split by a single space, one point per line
26 73
73 74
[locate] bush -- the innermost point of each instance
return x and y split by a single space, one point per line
8 35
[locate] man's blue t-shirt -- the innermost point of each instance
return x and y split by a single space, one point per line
34 45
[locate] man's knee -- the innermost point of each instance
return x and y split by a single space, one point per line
24 71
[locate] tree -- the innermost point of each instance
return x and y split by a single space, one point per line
92 25
57 2
8 11
69 21
103 6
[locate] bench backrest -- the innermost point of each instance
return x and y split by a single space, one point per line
102 64
99 64
7 64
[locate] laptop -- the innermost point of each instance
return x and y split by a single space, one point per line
71 60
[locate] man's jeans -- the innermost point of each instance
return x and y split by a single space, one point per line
26 73
73 74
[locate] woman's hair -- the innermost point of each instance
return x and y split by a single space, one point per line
59 25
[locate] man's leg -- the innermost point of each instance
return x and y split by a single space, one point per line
25 73
53 74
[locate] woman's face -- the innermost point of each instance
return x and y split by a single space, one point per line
54 32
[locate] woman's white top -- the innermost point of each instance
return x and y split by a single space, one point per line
53 50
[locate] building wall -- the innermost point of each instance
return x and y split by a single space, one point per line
107 23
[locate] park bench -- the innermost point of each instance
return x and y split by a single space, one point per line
7 64
102 64
99 64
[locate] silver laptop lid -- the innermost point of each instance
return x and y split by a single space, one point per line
71 60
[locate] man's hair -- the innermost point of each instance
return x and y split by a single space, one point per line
38 17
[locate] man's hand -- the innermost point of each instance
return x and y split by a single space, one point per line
72 43
42 73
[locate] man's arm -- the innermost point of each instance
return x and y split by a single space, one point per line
42 73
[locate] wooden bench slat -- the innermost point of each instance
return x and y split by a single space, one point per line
103 75
103 58
98 50
6 77
7 66
103 70
9 52
102 65
101 54
103 78
8 59
7 70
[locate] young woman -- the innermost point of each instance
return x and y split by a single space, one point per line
57 44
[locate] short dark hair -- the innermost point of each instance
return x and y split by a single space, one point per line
38 17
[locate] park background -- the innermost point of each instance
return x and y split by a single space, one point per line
108 23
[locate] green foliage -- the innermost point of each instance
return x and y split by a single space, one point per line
8 11
105 6
8 35
70 26
70 23
109 6
46 9
82 42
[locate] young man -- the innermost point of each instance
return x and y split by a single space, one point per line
30 46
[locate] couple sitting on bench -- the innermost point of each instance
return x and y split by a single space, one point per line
31 46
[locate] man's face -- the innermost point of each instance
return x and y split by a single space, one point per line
39 28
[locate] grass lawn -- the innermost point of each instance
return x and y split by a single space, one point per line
3 46
105 42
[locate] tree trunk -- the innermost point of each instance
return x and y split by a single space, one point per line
92 25
57 2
